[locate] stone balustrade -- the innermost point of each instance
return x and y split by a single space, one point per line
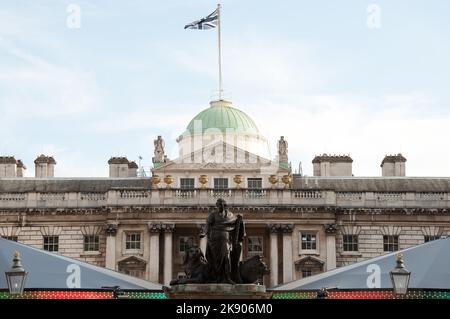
234 197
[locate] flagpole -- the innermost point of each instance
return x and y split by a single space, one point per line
220 53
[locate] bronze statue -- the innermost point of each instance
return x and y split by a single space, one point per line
225 233
196 267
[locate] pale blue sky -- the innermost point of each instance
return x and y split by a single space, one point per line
312 71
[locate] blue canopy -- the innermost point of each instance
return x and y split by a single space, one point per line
50 270
428 263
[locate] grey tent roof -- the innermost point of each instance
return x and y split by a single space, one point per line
429 264
50 270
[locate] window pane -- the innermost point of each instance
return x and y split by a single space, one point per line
430 238
220 183
187 183
254 183
51 243
91 243
186 242
255 245
390 243
350 242
13 238
309 242
133 241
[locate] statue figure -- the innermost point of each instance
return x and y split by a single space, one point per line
159 150
225 233
283 150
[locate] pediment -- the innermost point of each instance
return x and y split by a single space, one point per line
309 261
219 155
132 261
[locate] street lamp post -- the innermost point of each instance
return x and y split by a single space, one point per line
400 277
16 276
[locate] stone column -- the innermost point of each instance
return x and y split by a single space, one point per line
287 252
111 231
203 240
155 230
274 228
168 239
330 231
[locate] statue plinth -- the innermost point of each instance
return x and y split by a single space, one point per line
217 291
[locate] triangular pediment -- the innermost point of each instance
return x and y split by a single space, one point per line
220 155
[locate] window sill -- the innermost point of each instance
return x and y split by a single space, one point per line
133 252
351 253
90 253
309 252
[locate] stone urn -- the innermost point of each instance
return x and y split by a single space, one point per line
155 180
238 179
273 179
286 180
168 179
203 180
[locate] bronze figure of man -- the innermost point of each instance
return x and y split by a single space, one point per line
225 233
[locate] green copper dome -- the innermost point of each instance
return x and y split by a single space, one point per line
221 115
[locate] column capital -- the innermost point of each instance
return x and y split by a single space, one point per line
168 228
111 229
154 228
330 229
287 228
274 228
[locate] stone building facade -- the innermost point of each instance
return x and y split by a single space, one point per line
300 225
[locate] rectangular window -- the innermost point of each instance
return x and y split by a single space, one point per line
254 183
350 242
309 241
255 245
187 183
91 243
13 238
430 238
390 243
220 183
133 241
185 243
306 273
51 243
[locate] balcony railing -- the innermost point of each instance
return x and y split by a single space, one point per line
234 197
